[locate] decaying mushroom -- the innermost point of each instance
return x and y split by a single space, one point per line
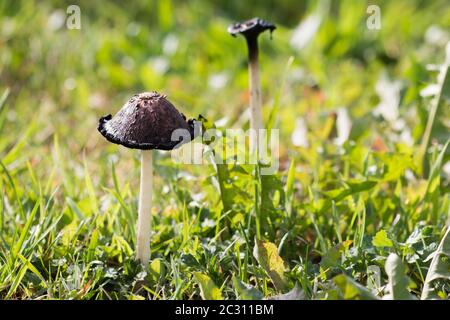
250 30
146 121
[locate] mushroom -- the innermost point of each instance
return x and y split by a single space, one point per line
250 30
146 121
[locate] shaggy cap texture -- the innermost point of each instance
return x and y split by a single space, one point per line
251 28
147 121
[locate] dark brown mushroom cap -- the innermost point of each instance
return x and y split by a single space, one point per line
146 121
251 28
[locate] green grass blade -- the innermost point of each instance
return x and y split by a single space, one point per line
17 248
439 267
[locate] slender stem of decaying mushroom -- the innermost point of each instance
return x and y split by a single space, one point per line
144 224
256 122
255 91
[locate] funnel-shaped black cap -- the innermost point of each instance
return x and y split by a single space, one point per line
251 28
146 121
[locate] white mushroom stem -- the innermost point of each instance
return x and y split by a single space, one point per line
144 224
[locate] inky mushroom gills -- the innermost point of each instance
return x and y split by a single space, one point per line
146 122
250 30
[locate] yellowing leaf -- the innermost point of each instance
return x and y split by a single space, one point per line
157 269
208 289
351 290
381 239
266 253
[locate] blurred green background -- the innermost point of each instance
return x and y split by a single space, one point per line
61 81
333 83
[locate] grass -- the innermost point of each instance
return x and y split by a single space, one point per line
365 218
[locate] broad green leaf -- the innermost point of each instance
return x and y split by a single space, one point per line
395 164
270 185
333 255
208 289
351 290
398 280
294 294
229 182
266 253
381 239
246 291
439 267
157 269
